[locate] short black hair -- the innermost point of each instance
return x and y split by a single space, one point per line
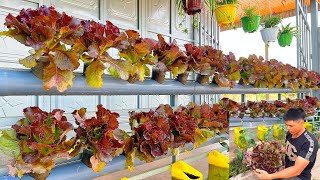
294 114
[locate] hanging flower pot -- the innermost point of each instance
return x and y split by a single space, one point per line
270 30
250 24
192 7
285 35
225 14
285 39
269 34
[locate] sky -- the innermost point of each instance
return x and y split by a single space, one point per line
243 44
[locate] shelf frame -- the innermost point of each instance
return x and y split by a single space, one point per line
26 83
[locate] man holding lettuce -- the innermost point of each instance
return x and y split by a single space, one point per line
301 150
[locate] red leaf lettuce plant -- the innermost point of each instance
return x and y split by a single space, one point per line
35 141
99 134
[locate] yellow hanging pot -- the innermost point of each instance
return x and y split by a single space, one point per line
183 171
262 130
225 14
218 166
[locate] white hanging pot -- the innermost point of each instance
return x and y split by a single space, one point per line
269 34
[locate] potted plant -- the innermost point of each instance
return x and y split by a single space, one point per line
100 135
97 38
35 141
135 53
270 30
151 136
192 7
227 73
49 33
170 58
285 35
250 22
203 66
266 156
225 11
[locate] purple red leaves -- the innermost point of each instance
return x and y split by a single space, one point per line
266 156
100 134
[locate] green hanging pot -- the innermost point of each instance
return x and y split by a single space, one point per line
250 24
285 39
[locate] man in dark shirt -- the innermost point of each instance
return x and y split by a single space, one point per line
301 149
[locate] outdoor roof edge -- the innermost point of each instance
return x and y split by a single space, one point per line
285 7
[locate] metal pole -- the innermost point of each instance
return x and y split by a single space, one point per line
267 51
299 36
314 36
174 159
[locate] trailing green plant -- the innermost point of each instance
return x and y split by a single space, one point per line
224 2
249 12
237 166
270 21
246 138
288 30
183 11
211 5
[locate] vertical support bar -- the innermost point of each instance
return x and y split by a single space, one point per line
266 46
218 37
174 159
299 36
314 35
138 101
211 31
142 17
172 100
243 98
267 59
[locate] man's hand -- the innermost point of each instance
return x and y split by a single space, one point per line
263 175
